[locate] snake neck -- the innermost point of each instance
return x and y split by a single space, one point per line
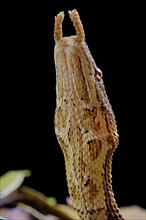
112 207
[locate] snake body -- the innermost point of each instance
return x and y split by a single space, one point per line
85 125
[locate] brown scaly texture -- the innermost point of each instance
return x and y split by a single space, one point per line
85 125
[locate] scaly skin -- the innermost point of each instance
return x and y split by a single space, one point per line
85 125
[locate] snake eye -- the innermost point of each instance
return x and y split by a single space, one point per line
98 74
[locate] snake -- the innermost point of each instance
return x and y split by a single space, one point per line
85 125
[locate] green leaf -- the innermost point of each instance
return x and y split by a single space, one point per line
11 180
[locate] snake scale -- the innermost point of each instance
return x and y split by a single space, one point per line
85 125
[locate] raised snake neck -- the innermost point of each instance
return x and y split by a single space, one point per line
85 125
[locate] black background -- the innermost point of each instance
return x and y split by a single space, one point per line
114 35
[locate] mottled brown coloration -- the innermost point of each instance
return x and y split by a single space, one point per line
85 125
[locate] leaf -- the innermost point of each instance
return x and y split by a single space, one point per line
33 197
68 210
11 181
33 212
